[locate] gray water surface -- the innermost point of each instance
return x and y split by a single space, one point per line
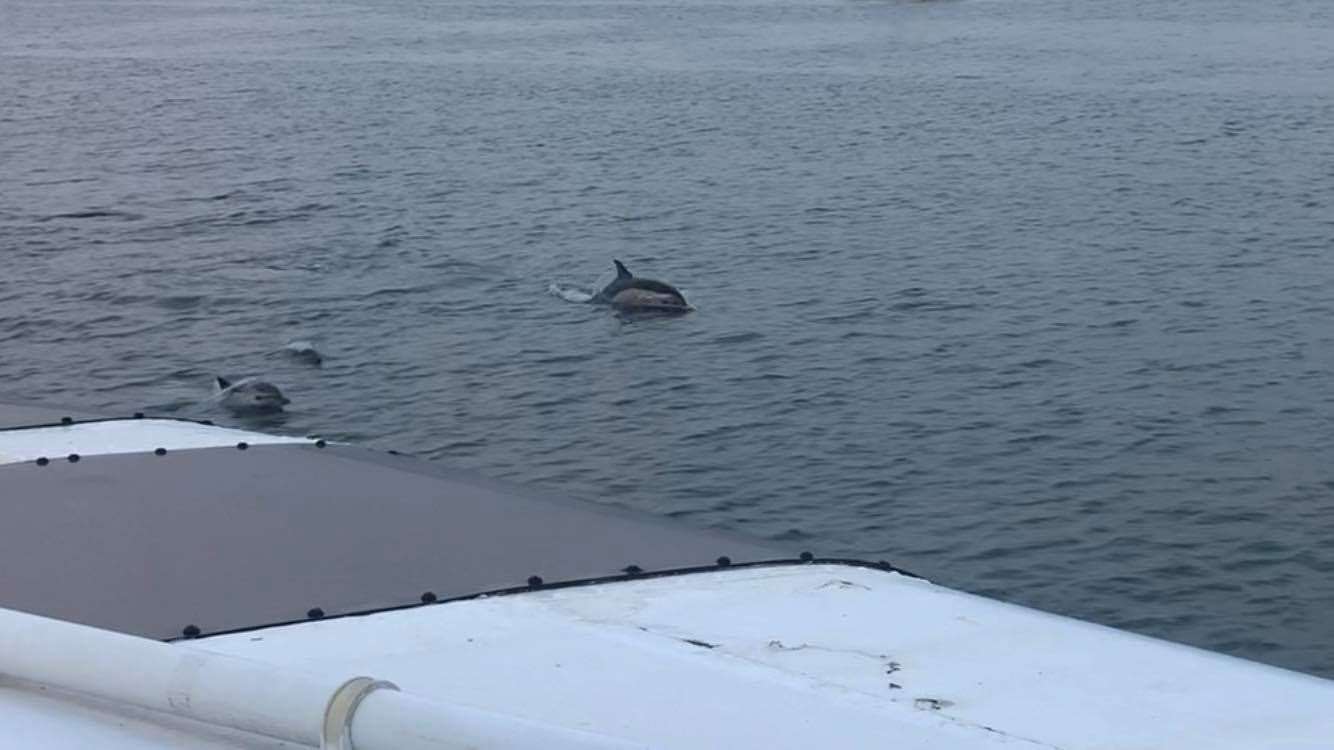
1032 297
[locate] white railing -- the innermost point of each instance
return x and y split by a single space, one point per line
351 714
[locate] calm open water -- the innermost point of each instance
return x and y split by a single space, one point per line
1033 297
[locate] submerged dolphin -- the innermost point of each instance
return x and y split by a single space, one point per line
250 396
635 294
304 351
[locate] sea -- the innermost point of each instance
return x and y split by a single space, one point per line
1034 298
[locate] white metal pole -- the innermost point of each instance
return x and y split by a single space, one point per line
388 720
257 697
182 681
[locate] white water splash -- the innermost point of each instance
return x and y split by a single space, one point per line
569 293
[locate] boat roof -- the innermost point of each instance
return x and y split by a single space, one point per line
228 530
785 656
825 655
312 563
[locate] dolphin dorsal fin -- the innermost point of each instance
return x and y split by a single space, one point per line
223 383
621 271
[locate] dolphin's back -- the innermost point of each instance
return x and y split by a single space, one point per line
647 294
653 285
636 299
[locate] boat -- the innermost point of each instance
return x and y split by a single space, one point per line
169 583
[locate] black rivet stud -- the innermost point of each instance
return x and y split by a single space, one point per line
242 445
534 581
159 451
320 443
138 415
632 570
724 561
43 461
190 631
428 597
67 420
73 458
315 613
807 557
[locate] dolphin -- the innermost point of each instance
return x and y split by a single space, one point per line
304 351
250 396
631 293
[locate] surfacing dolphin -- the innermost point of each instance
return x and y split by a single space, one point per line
250 396
632 293
304 351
